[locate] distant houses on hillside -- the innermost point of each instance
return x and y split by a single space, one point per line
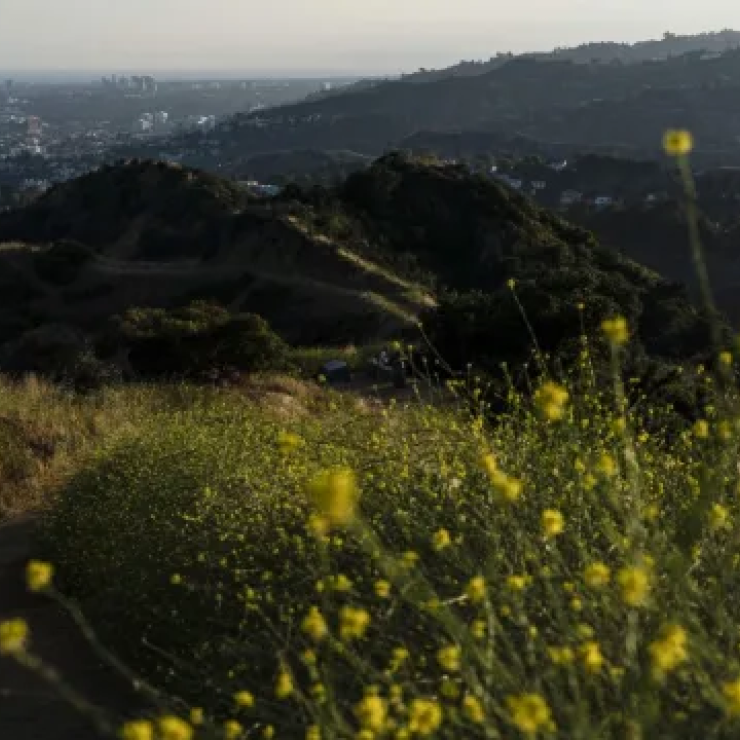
261 189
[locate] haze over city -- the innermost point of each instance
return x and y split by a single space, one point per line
318 37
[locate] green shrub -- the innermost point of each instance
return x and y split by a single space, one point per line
61 263
197 340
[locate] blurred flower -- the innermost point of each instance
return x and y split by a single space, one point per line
39 575
561 655
719 517
283 685
425 716
553 523
334 493
139 729
382 589
353 623
473 710
592 658
441 539
597 575
372 713
678 142
13 636
669 651
314 625
551 399
529 713
731 693
232 729
244 699
635 585
170 727
449 658
615 330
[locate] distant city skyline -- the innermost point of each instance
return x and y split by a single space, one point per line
318 38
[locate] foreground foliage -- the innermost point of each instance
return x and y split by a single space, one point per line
368 571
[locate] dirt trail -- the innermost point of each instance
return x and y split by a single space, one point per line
29 708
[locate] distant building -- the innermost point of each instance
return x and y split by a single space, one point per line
569 197
603 201
539 184
34 126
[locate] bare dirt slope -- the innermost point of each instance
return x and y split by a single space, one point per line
29 708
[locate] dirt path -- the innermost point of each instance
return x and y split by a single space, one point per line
29 708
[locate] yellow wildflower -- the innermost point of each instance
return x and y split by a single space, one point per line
139 729
39 575
529 713
353 623
382 589
669 651
553 523
731 692
372 713
616 330
476 589
478 629
173 728
725 358
449 658
268 732
409 559
635 585
244 699
488 462
597 575
313 732
232 729
473 710
551 399
425 716
441 539
678 142
592 658
701 429
314 625
288 442
607 465
196 716
334 493
561 655
508 487
719 517
517 583
284 685
13 636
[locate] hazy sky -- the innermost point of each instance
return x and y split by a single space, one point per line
338 36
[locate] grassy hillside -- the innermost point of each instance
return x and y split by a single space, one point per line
539 574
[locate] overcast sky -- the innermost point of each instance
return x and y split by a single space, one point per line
325 36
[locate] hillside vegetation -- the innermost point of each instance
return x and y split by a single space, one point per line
360 568
563 105
539 540
355 263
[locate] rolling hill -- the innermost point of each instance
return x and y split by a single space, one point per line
560 104
362 261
